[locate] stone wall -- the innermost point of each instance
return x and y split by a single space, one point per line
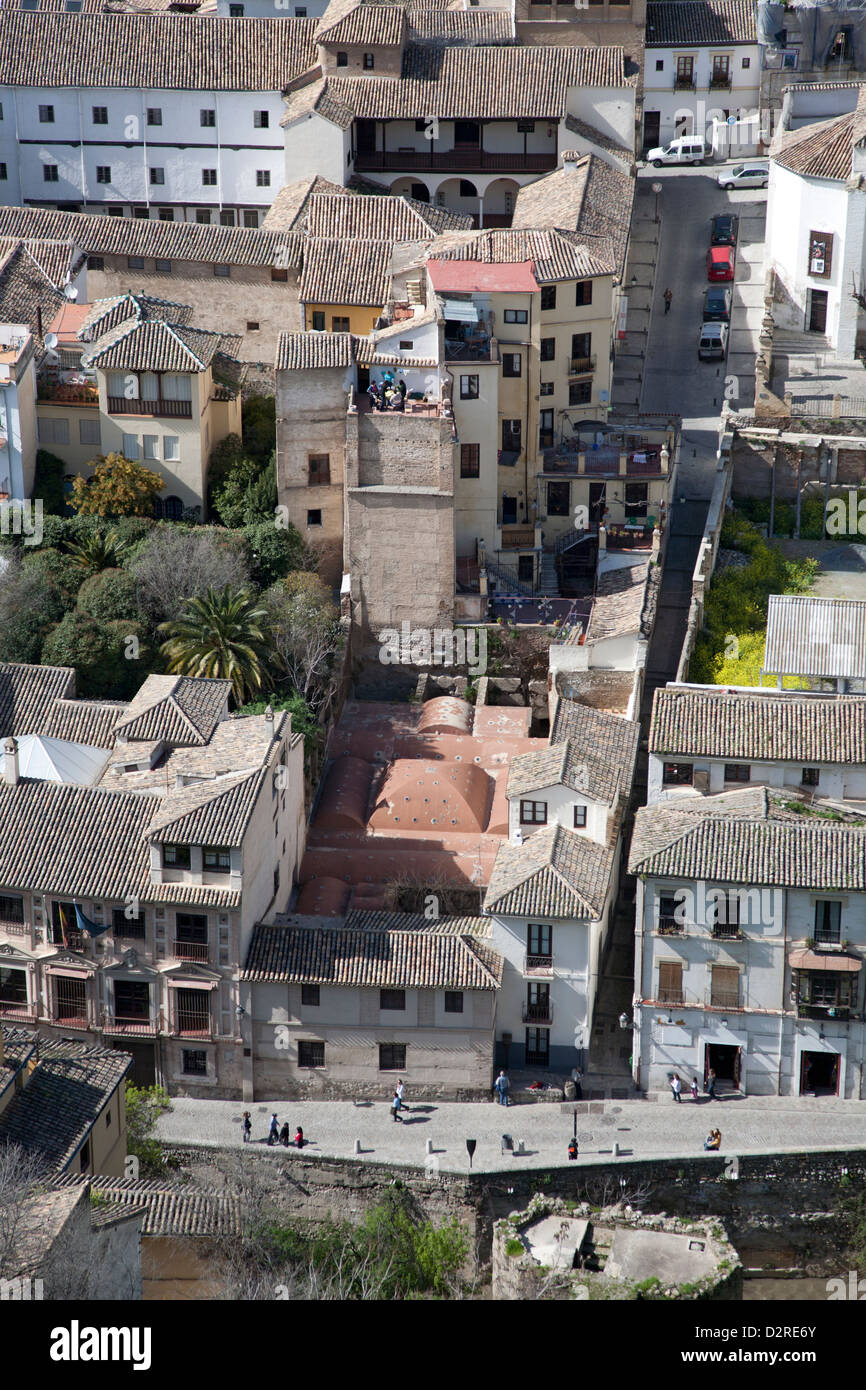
311 419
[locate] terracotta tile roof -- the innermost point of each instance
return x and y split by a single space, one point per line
750 837
153 51
180 709
716 724
28 694
557 873
360 24
25 291
587 196
104 314
372 959
216 812
378 219
479 83
175 241
289 209
592 133
374 919
53 1113
303 352
56 259
555 255
84 721
620 599
691 23
181 1210
318 97
605 743
825 149
152 345
467 28
337 272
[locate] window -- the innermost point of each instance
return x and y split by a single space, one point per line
49 173
3 173
227 218
84 1159
95 263
209 178
392 999
545 429
511 364
669 922
537 1047
467 189
721 71
820 253
469 388
660 64
369 61
392 1056
135 262
175 856
103 173
516 316
157 176
222 272
171 448
207 117
406 344
318 320
13 986
202 217
533 813
89 432
310 1054
194 1062
539 945
811 776
342 60
11 909
746 63
670 982
131 928
164 266
100 115
547 388
548 296
579 392
583 292
677 774
559 499
548 349
154 115
738 772
300 12
53 431
217 861
310 996
828 922
314 516
130 446
339 323
724 987
261 120
150 446
236 11
319 469
685 72
131 999
140 213
453 1001
579 817
263 178
46 115
470 460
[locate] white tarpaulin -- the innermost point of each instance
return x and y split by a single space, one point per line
461 311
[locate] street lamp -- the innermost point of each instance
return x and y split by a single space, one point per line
657 188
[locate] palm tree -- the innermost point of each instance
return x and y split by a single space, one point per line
221 634
99 551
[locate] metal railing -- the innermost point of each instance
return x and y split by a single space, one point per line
119 405
578 365
723 998
720 83
534 964
537 1013
17 1013
456 160
190 950
137 1027
684 84
509 580
671 996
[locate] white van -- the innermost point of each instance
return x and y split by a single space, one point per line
687 149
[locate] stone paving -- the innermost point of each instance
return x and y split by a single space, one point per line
648 1128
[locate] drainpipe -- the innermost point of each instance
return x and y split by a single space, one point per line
772 492
784 967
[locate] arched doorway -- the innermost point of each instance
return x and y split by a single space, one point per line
411 188
460 195
498 203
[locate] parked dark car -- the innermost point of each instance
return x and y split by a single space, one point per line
717 305
723 231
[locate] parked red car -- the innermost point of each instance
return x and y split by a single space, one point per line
720 263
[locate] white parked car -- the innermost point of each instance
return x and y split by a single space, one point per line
687 149
713 342
752 173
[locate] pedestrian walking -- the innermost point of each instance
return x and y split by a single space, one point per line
668 298
395 1107
299 1138
676 1088
284 1135
247 1126
577 1078
694 1088
500 1086
274 1131
400 1090
711 1084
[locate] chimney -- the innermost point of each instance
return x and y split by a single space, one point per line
269 715
11 775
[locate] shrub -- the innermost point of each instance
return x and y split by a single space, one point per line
273 551
119 487
60 572
29 608
98 651
248 495
48 482
109 596
514 1247
144 1105
173 565
259 427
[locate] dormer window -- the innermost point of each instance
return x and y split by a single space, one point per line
217 861
533 813
579 817
175 856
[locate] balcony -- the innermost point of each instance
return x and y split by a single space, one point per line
726 932
193 1026
190 950
629 537
14 928
472 347
538 965
516 537
74 939
720 82
669 926
684 84
538 1012
724 999
71 1020
467 161
671 996
119 405
579 365
17 1013
67 392
840 1013
131 1027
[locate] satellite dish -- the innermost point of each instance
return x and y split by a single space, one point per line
51 341
71 292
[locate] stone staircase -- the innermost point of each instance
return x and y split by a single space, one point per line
548 581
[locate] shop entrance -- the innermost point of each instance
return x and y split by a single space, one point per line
819 1074
725 1061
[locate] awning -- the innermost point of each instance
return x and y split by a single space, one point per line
178 982
811 960
68 972
460 310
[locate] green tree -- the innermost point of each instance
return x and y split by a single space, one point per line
110 596
29 608
220 634
48 482
274 551
119 487
59 572
101 550
224 456
259 427
249 494
144 1105
110 658
303 720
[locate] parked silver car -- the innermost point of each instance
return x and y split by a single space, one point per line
753 173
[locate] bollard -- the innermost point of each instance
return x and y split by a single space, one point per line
357 1148
615 1149
429 1148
